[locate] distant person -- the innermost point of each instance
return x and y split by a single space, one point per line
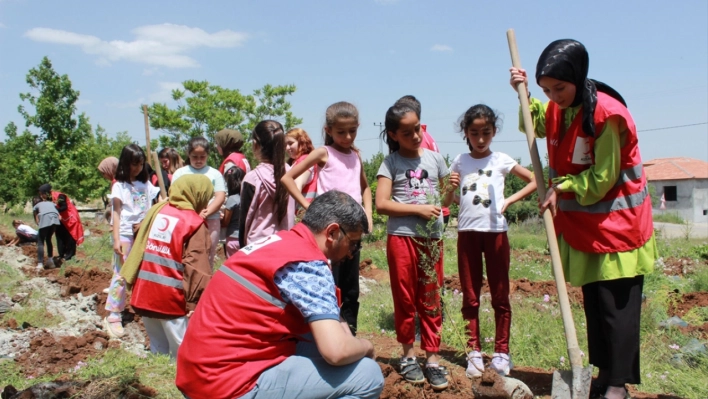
480 174
47 218
427 141
600 202
170 161
131 197
108 169
269 325
232 209
228 145
168 267
409 181
265 207
70 232
298 146
25 233
198 152
340 167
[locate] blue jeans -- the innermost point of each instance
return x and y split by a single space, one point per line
308 375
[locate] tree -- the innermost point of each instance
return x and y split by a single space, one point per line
204 109
64 152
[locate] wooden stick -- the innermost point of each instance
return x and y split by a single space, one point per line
566 313
160 180
147 136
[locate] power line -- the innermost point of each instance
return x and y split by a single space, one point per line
672 127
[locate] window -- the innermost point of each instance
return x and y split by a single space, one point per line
705 212
670 193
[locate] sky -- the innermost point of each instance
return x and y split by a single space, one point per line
449 54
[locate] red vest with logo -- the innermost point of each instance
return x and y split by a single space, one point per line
309 190
70 218
237 159
621 220
159 286
242 325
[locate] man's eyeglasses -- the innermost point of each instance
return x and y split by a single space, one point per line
354 246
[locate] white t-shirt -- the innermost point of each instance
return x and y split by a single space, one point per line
136 199
482 191
23 228
217 180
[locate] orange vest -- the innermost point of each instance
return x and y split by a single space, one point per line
621 220
242 325
237 159
70 218
159 286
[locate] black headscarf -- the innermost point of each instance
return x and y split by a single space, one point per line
45 188
568 60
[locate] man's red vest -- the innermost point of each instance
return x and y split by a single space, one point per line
237 159
70 218
242 325
159 287
621 220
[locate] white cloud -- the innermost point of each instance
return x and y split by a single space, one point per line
165 93
162 95
160 45
441 47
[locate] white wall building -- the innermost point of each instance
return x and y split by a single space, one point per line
683 182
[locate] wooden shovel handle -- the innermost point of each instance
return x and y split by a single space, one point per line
566 313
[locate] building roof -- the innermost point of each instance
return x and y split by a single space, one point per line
676 169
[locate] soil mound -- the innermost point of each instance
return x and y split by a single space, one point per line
49 355
683 304
368 269
99 388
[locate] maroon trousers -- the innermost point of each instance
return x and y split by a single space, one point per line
495 246
415 290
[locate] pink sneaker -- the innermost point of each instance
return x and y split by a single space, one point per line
113 326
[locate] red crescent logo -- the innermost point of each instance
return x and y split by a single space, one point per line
166 224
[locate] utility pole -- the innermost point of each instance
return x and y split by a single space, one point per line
381 129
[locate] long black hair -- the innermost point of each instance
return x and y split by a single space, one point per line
270 136
131 154
393 121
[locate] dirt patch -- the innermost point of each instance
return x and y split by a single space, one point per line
98 388
87 282
49 355
700 331
523 287
680 266
541 288
683 304
368 269
30 250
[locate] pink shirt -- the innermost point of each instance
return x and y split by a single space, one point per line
342 172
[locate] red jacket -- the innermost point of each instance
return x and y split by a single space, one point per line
237 159
70 218
621 220
242 325
159 287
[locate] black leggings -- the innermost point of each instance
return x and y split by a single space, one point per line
65 243
45 236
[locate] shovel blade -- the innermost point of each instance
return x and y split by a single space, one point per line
573 384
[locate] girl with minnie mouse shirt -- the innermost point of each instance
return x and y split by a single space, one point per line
407 191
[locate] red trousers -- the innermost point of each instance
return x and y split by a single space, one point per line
414 290
495 246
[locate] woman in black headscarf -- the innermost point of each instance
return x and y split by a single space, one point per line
600 203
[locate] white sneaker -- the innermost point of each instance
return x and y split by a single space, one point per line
501 363
475 364
39 267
